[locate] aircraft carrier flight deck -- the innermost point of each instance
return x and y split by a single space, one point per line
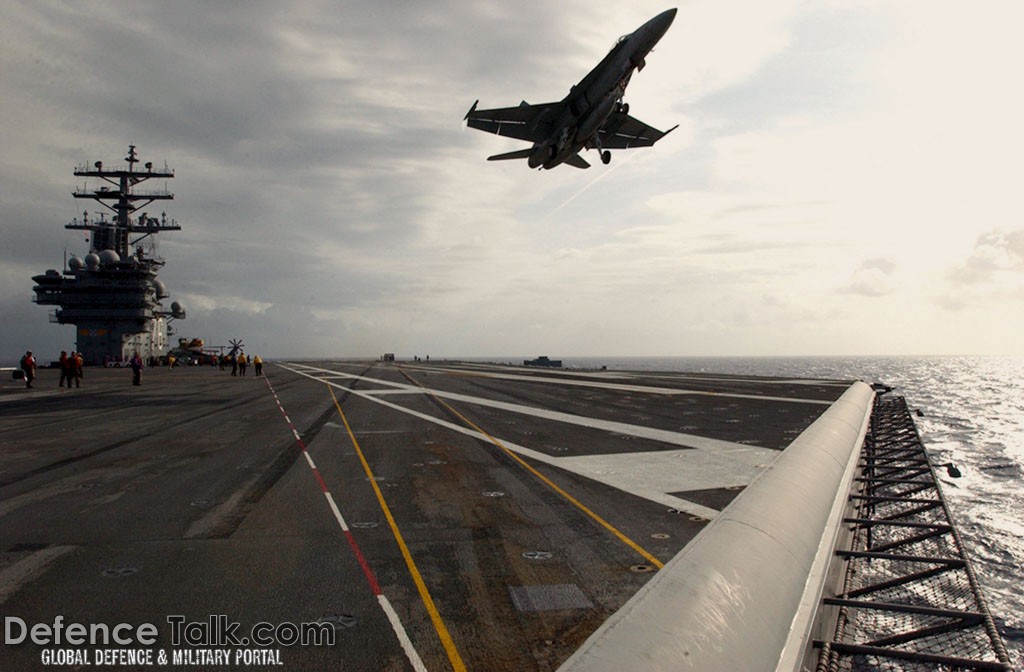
436 515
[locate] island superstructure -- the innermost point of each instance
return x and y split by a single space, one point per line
113 295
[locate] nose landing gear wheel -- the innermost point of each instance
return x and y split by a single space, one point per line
606 157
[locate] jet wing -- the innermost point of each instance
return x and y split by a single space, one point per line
622 131
524 122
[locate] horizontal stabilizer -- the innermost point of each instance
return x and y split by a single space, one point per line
518 154
577 161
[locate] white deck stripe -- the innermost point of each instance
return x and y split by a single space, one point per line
642 388
12 578
651 475
665 436
393 619
337 513
403 637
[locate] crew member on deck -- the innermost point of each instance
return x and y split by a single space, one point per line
75 363
136 365
28 365
64 373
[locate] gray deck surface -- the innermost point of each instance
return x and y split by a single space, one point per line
533 503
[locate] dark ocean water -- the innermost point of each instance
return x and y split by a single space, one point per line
973 416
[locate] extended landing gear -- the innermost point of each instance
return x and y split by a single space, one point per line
606 157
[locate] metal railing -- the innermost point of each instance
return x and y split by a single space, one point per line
910 599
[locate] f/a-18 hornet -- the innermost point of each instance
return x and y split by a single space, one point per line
592 116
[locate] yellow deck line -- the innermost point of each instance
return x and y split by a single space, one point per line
421 586
569 498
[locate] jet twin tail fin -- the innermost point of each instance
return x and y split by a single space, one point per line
577 161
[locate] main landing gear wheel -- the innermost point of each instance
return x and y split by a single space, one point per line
606 157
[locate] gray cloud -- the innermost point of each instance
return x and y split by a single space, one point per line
994 252
873 278
306 140
331 203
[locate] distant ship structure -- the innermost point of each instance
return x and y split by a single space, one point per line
543 360
112 294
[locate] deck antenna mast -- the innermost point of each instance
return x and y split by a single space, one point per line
113 295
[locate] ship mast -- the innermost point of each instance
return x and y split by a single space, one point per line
113 295
123 200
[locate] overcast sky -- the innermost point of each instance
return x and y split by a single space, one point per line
845 178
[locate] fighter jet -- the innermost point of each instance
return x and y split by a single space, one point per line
592 116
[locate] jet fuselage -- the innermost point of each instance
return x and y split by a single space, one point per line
591 102
592 116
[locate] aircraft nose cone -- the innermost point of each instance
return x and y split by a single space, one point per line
655 29
665 19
